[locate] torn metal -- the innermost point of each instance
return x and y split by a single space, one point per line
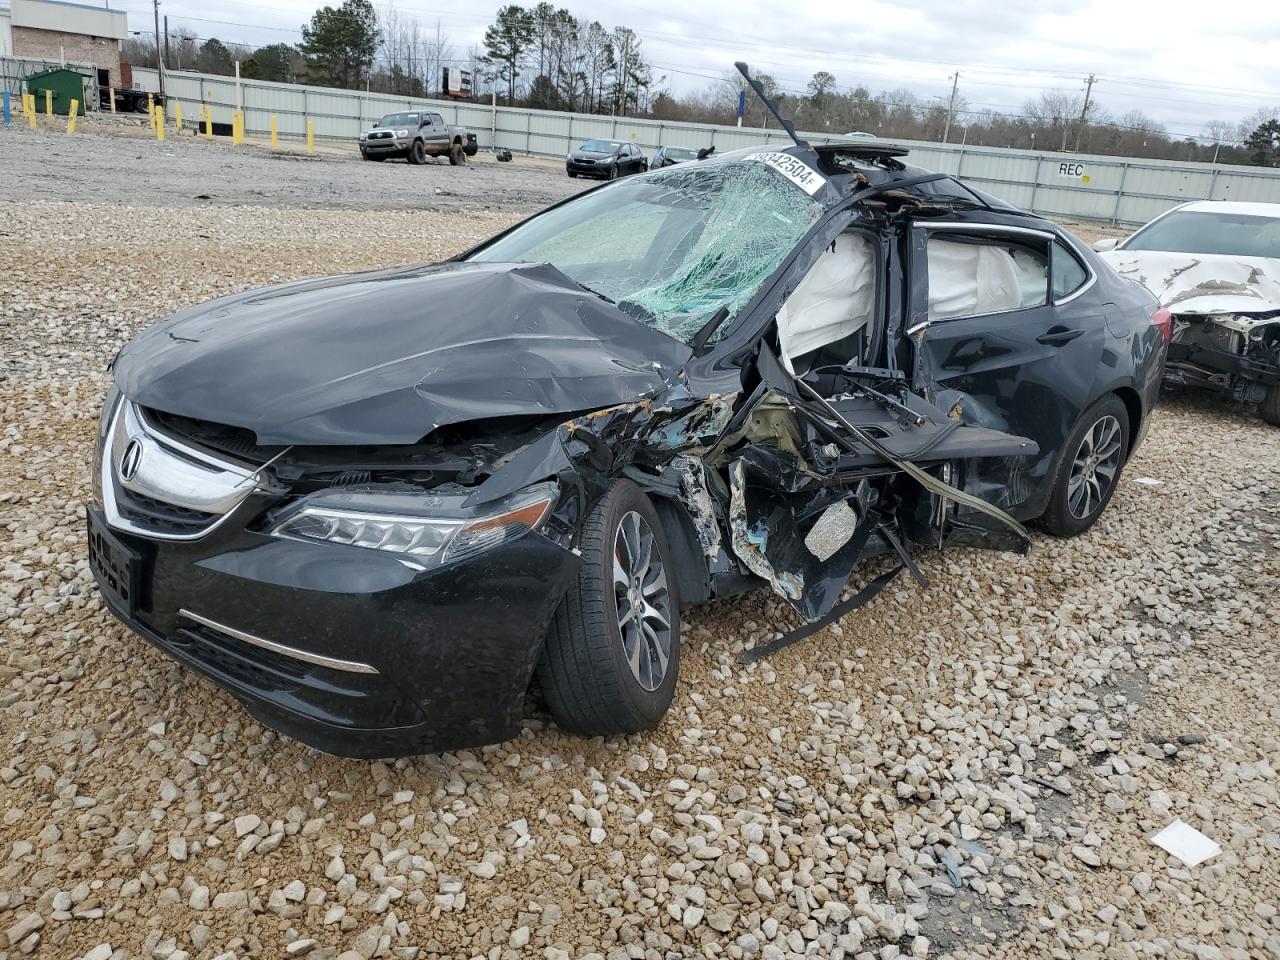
1226 317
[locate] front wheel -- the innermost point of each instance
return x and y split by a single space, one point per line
1269 409
1089 468
613 172
418 153
612 654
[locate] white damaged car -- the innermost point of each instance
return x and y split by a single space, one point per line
1215 265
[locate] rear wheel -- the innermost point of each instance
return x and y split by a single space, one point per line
457 155
1269 409
613 652
417 153
1089 468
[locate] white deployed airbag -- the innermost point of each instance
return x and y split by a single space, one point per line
836 298
966 279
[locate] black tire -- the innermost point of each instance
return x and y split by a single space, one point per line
457 155
1269 409
572 175
585 673
417 153
613 173
1099 441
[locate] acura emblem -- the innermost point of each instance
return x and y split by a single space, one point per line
131 459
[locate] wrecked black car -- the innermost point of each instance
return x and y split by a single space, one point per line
380 528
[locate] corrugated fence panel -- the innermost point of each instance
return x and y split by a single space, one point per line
1056 184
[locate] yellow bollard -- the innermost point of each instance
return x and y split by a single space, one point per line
208 123
31 110
177 117
48 103
311 137
159 123
71 117
111 98
275 135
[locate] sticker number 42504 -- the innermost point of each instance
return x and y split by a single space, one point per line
797 171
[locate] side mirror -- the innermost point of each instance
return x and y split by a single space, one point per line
1102 246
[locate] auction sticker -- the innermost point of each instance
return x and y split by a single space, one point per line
795 170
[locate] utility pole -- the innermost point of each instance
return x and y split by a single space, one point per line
167 57
155 4
1084 113
951 108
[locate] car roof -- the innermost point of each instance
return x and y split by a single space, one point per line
1239 207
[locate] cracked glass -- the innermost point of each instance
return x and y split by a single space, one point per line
672 247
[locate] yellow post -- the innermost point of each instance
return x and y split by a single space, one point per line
71 117
159 123
111 98
208 123
237 128
31 110
48 103
177 117
311 137
275 134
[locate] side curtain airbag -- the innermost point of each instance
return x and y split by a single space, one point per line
836 298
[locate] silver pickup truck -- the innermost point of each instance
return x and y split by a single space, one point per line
415 136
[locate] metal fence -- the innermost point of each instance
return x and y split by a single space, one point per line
1071 186
15 70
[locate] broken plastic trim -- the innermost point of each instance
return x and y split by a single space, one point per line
860 599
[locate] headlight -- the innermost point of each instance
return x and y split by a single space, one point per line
104 424
429 529
402 134
363 137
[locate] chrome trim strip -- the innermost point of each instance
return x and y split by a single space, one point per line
347 666
984 228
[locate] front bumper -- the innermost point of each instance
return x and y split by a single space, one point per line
385 148
1201 366
451 649
587 169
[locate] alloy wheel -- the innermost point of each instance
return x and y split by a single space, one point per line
1094 468
642 600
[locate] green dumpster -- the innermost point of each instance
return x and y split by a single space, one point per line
67 85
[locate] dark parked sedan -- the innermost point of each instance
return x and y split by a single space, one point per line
670 156
609 159
380 508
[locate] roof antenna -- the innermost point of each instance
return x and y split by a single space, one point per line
786 124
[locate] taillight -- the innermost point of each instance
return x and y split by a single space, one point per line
1163 319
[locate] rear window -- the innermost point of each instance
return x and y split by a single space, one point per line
1068 275
1233 234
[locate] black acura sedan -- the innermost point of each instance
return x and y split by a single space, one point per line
381 509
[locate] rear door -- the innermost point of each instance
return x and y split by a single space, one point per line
998 347
439 136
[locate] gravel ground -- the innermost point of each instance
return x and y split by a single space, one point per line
108 156
973 769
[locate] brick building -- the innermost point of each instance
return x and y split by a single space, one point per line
61 32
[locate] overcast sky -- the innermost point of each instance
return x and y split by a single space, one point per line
1177 61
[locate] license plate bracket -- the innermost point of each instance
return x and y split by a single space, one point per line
116 566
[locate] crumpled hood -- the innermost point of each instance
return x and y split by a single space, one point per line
386 357
1196 283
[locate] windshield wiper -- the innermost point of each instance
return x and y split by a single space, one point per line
707 329
595 292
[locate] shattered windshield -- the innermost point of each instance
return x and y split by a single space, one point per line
1234 234
673 247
